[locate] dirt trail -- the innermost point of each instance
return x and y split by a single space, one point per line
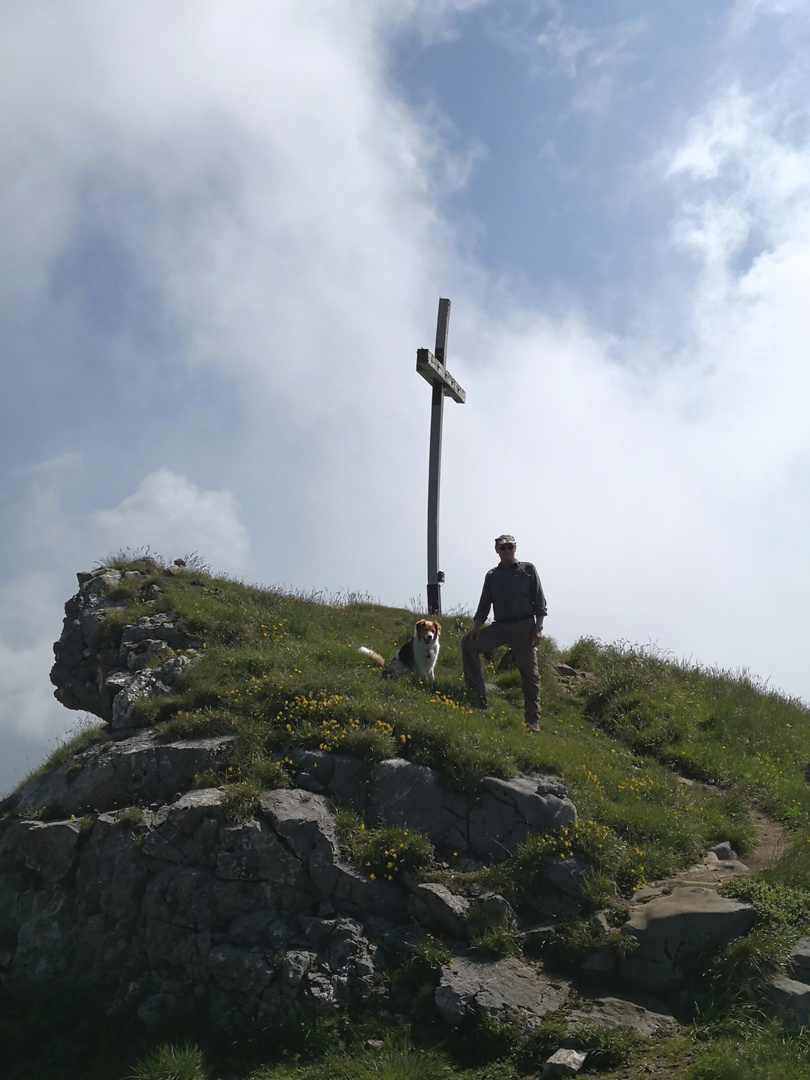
772 842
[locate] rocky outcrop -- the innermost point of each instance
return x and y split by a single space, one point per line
106 674
402 793
177 900
184 904
117 873
114 773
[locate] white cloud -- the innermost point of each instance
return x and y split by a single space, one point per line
591 55
721 132
171 515
280 203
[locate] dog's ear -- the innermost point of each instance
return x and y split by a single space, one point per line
437 628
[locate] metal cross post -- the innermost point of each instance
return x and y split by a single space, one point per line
432 368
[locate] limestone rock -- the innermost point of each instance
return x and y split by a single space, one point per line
434 906
724 851
618 1013
799 960
567 874
92 670
563 1063
499 989
673 928
47 848
404 793
133 688
791 1000
108 776
508 809
407 794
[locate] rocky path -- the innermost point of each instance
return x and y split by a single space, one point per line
712 872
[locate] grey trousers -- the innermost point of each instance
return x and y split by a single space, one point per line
518 636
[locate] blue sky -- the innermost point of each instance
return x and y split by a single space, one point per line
562 108
224 231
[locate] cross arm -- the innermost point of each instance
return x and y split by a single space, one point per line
435 372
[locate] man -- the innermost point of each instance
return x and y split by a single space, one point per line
514 592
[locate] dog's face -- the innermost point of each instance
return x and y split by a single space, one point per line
428 632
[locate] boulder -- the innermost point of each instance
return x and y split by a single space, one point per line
791 1002
507 810
673 929
500 989
47 848
434 906
403 793
563 1063
620 1014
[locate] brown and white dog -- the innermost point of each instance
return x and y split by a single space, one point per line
420 653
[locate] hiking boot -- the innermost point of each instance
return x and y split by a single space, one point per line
534 726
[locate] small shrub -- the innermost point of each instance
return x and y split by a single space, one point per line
168 1062
109 631
389 851
397 1059
490 934
299 1035
598 891
208 778
348 826
494 941
607 1048
141 558
421 963
574 939
484 1039
241 800
131 816
616 864
584 655
539 1044
270 774
195 723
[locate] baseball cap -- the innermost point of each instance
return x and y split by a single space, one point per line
504 538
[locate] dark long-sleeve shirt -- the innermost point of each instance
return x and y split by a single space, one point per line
513 592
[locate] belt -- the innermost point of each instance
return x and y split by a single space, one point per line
519 618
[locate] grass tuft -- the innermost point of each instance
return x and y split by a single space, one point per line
169 1062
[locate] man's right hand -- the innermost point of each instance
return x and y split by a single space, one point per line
471 635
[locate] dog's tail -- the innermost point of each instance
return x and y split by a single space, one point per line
378 660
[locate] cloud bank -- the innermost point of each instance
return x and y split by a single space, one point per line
223 239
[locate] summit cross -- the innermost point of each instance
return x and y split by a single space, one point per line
432 367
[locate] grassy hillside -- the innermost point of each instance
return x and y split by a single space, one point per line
663 760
